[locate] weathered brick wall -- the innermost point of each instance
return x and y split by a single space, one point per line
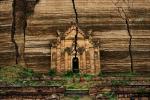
7 51
104 20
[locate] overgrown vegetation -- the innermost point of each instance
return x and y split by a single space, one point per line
142 90
76 97
52 72
26 73
120 82
119 74
10 74
78 75
68 74
18 75
87 77
20 82
110 95
55 83
21 76
78 85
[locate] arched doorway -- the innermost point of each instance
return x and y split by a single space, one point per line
75 65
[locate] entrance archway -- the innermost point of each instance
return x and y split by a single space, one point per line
75 65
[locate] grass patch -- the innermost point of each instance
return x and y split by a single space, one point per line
17 75
83 86
120 82
52 72
10 74
119 74
87 77
55 83
76 97
68 74
26 73
20 82
110 95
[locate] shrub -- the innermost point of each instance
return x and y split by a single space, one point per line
9 74
37 75
52 72
120 82
101 74
15 75
27 73
68 74
110 95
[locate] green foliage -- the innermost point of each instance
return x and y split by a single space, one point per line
76 97
77 75
10 74
26 73
101 74
55 83
52 72
21 82
88 76
142 90
77 86
29 73
118 74
110 95
120 82
16 75
37 75
68 74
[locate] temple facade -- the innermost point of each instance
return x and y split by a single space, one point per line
88 52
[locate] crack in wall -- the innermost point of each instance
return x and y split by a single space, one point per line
20 13
24 28
77 24
13 31
130 43
28 11
125 17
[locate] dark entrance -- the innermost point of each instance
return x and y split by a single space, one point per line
75 65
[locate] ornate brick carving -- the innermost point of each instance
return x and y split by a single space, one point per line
65 45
